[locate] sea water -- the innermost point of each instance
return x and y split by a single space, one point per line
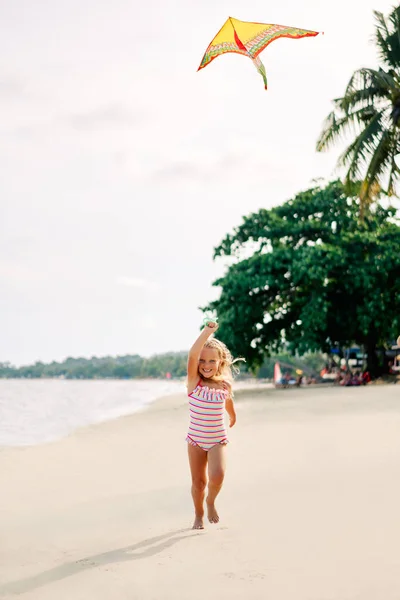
44 410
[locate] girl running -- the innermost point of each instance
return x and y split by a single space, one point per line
210 394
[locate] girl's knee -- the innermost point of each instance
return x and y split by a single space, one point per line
199 484
217 477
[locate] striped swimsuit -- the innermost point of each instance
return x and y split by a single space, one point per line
207 427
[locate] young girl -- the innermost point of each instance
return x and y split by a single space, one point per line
210 392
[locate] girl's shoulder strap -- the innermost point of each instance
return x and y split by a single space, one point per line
198 384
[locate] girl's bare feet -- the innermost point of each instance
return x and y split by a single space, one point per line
212 514
198 523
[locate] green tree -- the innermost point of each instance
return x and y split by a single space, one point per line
315 278
370 109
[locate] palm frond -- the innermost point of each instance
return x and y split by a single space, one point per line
388 40
394 18
383 162
336 127
348 156
376 168
331 130
382 36
362 147
366 86
394 174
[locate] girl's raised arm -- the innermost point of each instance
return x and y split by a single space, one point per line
194 354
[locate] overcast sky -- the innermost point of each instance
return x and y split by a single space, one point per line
122 167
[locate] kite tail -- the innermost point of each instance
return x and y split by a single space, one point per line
261 69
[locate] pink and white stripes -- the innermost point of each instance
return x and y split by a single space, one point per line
207 427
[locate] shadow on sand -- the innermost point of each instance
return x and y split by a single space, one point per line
143 549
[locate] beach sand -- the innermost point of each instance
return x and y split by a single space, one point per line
310 508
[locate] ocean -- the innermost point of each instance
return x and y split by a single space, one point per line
44 410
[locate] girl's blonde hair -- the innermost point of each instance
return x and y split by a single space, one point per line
226 369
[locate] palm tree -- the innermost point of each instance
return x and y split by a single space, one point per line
370 109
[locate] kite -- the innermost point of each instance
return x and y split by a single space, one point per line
249 39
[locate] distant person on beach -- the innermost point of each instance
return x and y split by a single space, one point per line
209 384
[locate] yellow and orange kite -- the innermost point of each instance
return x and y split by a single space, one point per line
249 39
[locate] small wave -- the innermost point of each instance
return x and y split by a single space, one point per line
40 411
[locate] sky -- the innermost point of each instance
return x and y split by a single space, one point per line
122 167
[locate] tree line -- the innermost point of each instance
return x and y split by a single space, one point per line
119 367
137 367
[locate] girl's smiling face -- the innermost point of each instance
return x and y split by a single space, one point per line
209 363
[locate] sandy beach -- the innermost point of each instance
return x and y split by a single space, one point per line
310 509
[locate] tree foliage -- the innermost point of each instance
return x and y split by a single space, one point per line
308 276
370 110
135 367
120 367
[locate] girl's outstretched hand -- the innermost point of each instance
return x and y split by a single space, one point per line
211 325
232 420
